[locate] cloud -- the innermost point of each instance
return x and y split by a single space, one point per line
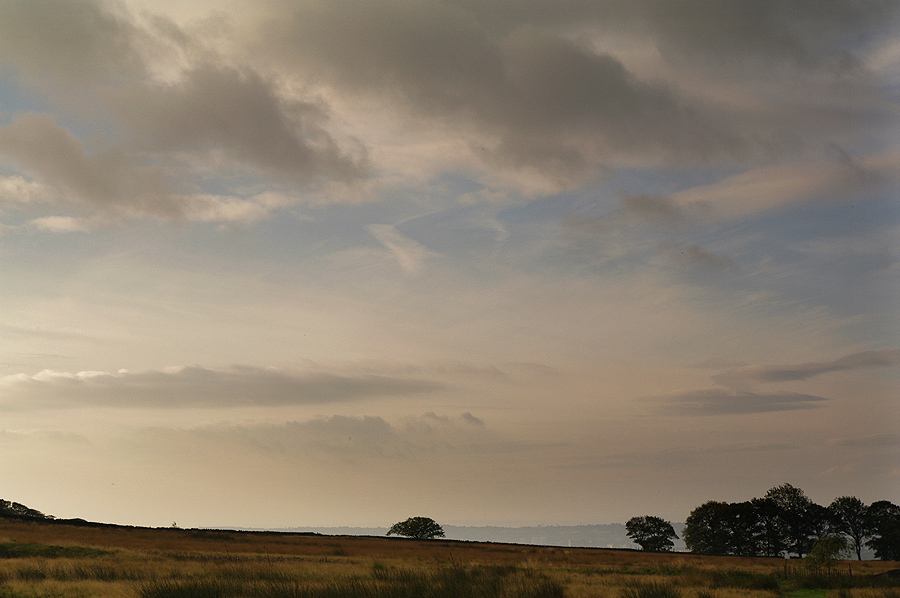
71 42
804 371
408 253
237 111
356 438
771 31
53 154
656 209
768 32
468 417
530 99
17 191
190 387
60 224
695 256
772 187
724 402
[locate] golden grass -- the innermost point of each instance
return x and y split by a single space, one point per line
133 557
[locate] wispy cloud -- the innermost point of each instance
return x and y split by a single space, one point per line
723 402
772 373
187 387
408 253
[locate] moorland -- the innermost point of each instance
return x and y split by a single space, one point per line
73 559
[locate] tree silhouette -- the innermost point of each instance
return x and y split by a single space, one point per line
423 528
796 512
651 533
884 517
709 529
848 515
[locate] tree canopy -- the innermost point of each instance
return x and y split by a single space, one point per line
884 519
786 520
651 533
423 528
849 517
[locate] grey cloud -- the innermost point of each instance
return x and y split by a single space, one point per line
239 112
468 417
880 441
724 402
804 371
199 387
360 438
70 42
806 33
656 209
51 152
695 255
527 99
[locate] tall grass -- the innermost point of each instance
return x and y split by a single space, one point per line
444 582
653 589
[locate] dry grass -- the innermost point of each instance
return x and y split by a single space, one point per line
123 562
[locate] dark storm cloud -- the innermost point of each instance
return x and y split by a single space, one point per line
724 402
804 371
192 387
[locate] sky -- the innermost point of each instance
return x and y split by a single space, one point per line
273 263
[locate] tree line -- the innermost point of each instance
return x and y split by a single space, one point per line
783 522
15 509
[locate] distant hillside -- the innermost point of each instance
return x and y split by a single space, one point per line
586 536
14 509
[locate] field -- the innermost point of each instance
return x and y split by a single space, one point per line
59 560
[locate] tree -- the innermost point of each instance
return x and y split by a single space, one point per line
422 528
771 535
651 533
709 529
884 519
749 530
20 510
825 552
795 510
848 515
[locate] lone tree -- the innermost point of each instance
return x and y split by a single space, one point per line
826 552
651 533
422 528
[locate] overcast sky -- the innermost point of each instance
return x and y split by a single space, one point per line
342 262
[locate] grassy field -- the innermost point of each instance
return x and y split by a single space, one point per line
58 560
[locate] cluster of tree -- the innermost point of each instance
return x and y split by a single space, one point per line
422 528
15 509
785 520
